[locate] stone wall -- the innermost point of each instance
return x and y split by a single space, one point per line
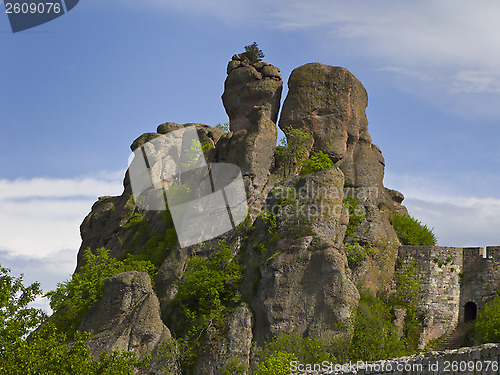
482 359
439 270
480 278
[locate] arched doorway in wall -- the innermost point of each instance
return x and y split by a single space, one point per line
470 311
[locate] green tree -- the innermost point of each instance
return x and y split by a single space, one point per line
293 152
46 352
412 232
223 126
318 162
254 53
17 318
72 299
209 289
487 323
375 337
275 357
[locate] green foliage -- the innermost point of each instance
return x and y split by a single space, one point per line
284 196
46 352
318 162
254 53
194 153
146 244
375 337
224 126
356 217
134 221
233 366
487 323
17 319
277 354
408 287
270 219
412 232
293 152
277 363
72 298
208 286
356 254
208 290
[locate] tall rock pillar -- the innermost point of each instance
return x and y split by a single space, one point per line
252 94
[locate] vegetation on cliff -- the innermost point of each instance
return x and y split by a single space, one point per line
412 232
73 298
46 351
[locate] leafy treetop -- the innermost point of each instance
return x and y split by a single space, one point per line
254 53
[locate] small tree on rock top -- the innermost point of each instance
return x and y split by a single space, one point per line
254 53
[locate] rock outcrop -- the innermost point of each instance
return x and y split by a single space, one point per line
296 276
304 285
252 94
251 87
127 318
329 103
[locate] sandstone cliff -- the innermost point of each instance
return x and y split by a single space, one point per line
296 273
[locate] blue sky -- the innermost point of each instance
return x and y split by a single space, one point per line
77 91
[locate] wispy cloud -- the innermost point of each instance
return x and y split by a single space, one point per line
39 224
441 49
459 218
476 81
41 216
48 271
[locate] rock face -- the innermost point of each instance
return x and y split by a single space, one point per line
127 317
296 276
232 347
252 94
249 88
304 285
329 103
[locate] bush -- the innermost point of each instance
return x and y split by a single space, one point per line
254 53
208 291
45 352
318 162
277 354
153 245
72 299
223 126
375 337
356 254
408 287
356 217
487 323
412 232
208 286
293 151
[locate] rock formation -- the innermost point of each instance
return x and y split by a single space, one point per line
296 277
127 318
329 103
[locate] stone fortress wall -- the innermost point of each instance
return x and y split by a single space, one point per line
456 283
482 360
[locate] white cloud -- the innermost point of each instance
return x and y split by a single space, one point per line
446 52
458 218
39 224
48 271
41 216
476 81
